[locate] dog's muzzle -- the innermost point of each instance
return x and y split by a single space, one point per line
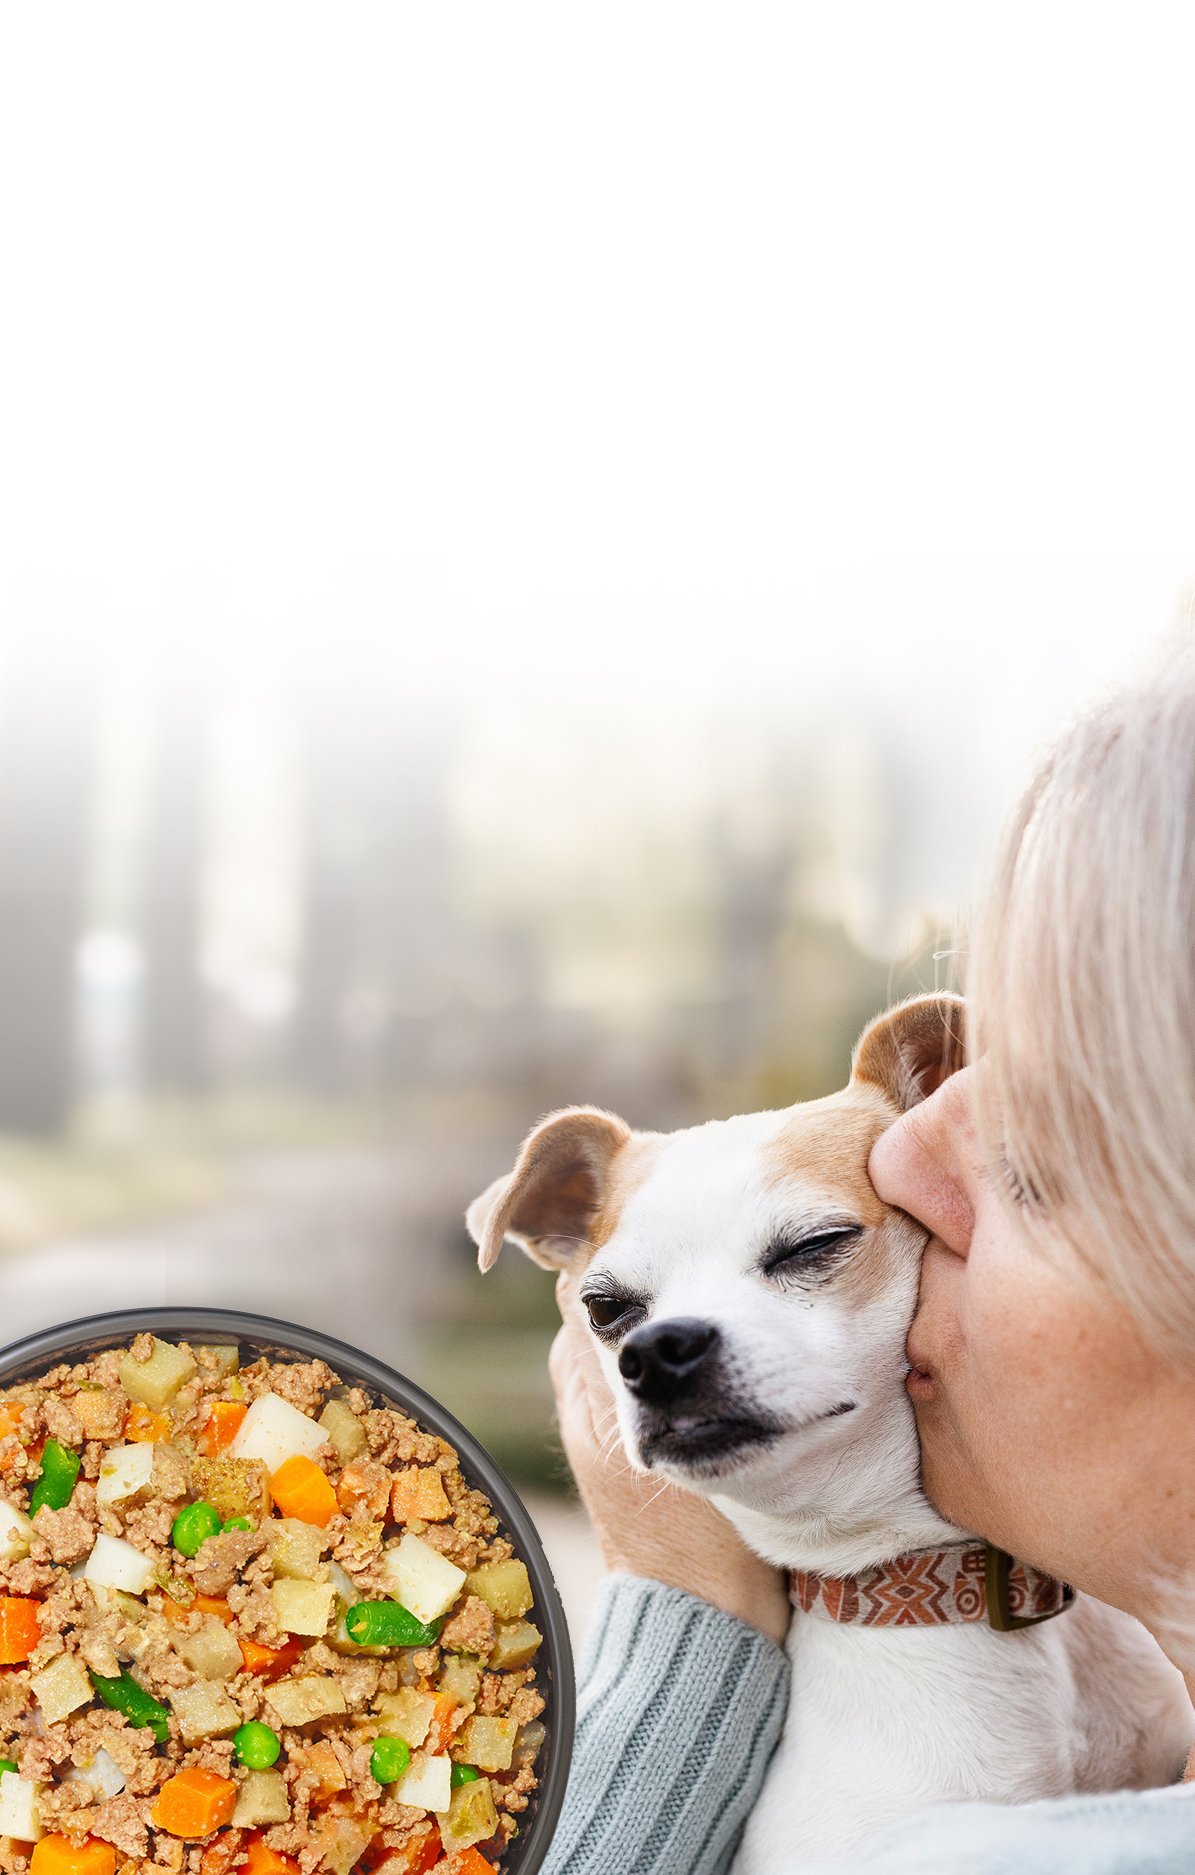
662 1361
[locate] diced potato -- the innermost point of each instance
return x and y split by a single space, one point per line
204 1711
61 1688
487 1743
426 1784
471 1816
274 1430
124 1471
460 1679
296 1548
303 1607
299 1701
503 1586
115 1564
101 1772
341 1842
424 1581
212 1652
236 1487
263 1798
407 1714
224 1360
344 1429
418 1491
516 1644
99 1412
16 1532
347 1592
18 1807
155 1382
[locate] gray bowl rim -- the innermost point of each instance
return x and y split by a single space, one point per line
35 1353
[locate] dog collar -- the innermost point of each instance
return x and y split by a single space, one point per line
964 1582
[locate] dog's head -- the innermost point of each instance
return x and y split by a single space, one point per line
749 1293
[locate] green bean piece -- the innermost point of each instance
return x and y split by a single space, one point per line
388 1759
464 1774
235 1523
193 1526
139 1707
388 1624
6 1764
56 1480
256 1745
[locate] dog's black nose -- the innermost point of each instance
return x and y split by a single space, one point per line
662 1358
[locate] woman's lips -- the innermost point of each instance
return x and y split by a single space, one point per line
919 1381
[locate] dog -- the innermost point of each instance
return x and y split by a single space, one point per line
750 1297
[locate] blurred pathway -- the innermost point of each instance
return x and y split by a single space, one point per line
323 1238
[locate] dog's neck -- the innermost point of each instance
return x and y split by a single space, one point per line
847 1509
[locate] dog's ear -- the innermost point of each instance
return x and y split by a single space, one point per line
548 1203
912 1048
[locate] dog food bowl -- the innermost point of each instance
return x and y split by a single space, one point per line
35 1354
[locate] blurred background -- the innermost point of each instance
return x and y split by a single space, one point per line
536 553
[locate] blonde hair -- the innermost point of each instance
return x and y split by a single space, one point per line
1082 980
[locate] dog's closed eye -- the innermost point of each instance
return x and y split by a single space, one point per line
815 1251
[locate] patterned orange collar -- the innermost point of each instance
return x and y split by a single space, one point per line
968 1581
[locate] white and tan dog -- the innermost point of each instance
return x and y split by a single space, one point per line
751 1297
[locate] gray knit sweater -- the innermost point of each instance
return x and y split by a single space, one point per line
680 1708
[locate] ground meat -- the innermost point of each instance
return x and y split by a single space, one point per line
68 1534
304 1384
122 1822
222 1558
471 1631
462 1550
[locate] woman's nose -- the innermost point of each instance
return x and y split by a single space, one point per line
920 1164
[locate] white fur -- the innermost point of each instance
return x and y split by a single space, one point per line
883 1721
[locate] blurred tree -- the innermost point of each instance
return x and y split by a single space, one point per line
174 1016
47 755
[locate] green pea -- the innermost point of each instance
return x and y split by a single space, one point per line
464 1774
235 1523
6 1764
193 1526
256 1745
389 1759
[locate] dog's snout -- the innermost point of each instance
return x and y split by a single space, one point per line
660 1359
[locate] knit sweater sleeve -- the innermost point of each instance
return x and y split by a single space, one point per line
679 1710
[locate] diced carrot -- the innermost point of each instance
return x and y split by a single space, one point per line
269 1661
222 1426
194 1802
466 1862
202 1605
300 1489
19 1630
143 1427
220 1854
364 1482
419 1492
427 1854
58 1855
262 1861
447 1719
10 1419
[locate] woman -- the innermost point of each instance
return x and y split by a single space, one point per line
1052 1357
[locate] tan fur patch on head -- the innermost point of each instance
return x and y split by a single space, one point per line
629 1171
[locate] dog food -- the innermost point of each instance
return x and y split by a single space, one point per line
251 1620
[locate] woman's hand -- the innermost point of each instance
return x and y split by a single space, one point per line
644 1527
